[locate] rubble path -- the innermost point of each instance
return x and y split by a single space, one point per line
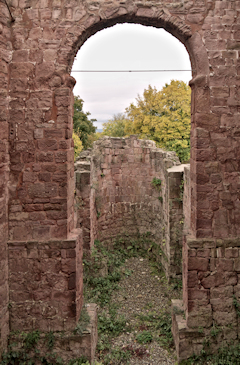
143 293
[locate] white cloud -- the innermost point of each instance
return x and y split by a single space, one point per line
126 47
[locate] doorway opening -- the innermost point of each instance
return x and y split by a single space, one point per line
127 188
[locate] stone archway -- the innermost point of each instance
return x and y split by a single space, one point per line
36 128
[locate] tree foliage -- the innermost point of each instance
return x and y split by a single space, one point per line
82 125
164 116
78 147
116 127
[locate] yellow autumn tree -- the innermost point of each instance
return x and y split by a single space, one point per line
78 146
164 116
116 127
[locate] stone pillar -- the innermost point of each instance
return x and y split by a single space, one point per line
5 59
175 220
83 200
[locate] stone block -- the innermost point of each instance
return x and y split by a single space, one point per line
198 263
225 318
202 317
231 252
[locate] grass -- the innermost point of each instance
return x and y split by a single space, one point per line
99 289
228 355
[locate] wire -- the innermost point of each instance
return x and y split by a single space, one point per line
131 70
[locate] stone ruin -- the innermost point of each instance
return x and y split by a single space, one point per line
115 196
41 275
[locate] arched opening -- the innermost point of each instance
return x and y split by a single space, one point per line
97 221
129 47
113 90
41 198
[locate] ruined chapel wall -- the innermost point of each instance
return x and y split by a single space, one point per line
115 196
215 125
41 107
46 38
5 58
46 284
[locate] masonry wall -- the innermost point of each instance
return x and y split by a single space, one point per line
46 284
40 47
174 219
116 196
5 59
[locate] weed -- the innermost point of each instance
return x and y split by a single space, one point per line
111 323
144 337
214 331
157 183
80 361
176 283
99 290
31 339
236 304
148 305
50 340
117 357
165 326
228 355
127 272
181 188
27 352
162 323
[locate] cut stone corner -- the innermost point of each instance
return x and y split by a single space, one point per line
187 341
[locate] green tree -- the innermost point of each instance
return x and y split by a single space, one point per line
116 127
164 116
82 126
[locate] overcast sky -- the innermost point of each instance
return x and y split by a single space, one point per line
126 47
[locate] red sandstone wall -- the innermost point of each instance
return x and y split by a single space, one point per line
5 58
45 38
187 200
46 284
115 196
126 202
42 183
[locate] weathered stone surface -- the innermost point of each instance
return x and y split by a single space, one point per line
41 275
37 52
115 195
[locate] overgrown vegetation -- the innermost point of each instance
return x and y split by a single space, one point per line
23 350
99 289
228 355
157 183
